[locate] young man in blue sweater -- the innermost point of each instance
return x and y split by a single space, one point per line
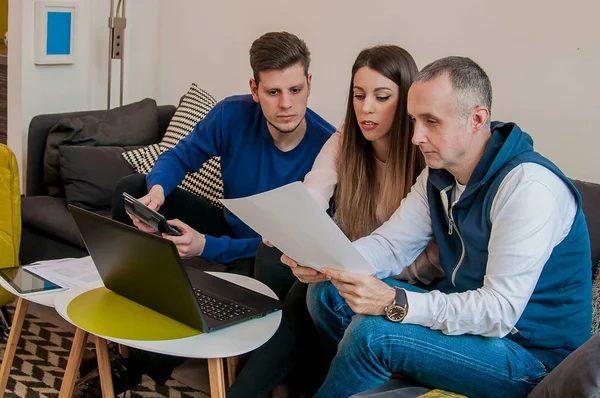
265 140
514 298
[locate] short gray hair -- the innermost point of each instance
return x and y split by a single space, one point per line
470 82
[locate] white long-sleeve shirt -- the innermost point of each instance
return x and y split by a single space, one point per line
532 212
321 181
322 178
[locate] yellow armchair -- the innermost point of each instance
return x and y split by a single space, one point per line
10 215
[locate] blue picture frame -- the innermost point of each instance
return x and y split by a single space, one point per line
54 32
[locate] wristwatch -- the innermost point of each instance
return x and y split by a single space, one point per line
397 311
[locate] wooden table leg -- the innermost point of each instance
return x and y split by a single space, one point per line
232 364
104 368
68 382
216 375
13 340
124 351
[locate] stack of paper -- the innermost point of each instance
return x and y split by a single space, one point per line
290 219
66 272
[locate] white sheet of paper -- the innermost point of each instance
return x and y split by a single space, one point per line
291 220
66 272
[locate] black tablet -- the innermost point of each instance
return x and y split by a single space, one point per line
26 282
148 216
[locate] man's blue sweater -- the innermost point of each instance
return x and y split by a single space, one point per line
236 130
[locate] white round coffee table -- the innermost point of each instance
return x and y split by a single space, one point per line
224 343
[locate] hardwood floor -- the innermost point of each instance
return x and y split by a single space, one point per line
3 99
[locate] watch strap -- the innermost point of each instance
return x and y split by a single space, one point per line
401 297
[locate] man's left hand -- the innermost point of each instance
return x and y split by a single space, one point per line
364 294
190 243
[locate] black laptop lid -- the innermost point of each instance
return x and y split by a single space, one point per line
140 266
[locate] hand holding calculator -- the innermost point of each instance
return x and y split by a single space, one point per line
148 216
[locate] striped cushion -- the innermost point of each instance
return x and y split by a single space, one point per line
207 181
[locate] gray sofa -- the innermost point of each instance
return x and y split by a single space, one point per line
48 230
579 374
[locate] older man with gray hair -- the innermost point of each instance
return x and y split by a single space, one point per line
515 296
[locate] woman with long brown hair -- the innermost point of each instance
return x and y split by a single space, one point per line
370 161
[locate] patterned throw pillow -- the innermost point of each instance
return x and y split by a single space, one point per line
207 181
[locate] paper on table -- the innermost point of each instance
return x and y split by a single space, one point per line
66 272
291 220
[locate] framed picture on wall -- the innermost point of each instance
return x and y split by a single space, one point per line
54 32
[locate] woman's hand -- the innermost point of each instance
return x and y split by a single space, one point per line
304 274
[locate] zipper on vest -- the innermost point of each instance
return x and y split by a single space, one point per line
444 197
462 244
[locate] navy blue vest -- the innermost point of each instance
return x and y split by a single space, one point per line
557 318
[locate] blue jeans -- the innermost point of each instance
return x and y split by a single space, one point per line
370 349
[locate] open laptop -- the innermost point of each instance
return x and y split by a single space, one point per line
147 269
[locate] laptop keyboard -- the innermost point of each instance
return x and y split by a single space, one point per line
220 310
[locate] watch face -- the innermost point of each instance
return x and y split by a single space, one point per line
396 313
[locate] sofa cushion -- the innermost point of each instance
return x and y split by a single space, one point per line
206 182
129 125
576 376
50 215
90 174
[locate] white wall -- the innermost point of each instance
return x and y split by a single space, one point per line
543 58
141 50
61 88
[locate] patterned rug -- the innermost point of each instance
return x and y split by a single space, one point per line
41 359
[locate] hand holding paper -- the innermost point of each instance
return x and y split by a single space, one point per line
290 219
304 274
